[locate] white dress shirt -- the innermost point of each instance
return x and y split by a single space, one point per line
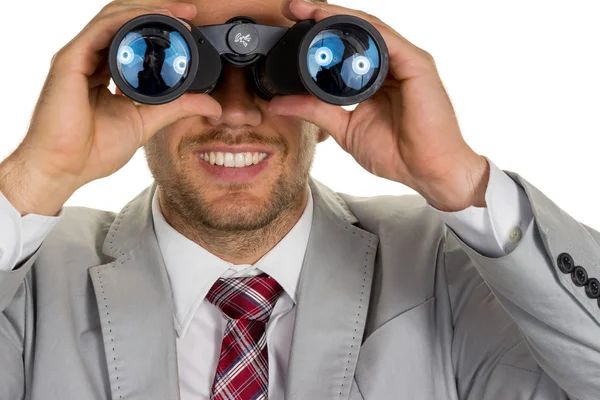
200 325
493 231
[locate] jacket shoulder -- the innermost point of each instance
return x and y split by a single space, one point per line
383 215
79 236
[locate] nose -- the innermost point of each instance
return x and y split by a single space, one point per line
238 101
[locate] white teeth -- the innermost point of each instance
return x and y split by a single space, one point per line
248 158
240 160
236 160
229 162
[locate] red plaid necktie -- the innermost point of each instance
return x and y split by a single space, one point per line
243 369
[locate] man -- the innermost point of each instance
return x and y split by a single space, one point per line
256 281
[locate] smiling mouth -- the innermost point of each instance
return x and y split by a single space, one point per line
233 160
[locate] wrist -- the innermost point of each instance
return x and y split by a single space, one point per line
29 190
465 188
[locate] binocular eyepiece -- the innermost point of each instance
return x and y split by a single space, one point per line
342 60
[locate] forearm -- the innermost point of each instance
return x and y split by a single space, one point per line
29 190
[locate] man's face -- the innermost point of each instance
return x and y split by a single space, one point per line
276 152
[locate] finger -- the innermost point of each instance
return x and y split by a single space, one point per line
178 10
155 118
406 59
101 76
333 119
285 10
175 7
99 79
300 10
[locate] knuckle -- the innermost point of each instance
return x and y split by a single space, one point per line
62 59
54 56
111 7
116 4
370 17
428 56
57 57
365 15
377 20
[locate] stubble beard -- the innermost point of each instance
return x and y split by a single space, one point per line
236 227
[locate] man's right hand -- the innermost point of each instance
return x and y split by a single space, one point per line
79 130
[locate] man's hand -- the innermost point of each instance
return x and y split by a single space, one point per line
80 131
408 132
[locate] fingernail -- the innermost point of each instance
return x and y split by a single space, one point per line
309 1
214 118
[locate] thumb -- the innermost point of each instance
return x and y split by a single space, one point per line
154 118
333 119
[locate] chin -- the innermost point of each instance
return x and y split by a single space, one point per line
239 214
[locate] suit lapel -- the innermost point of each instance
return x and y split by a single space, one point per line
332 301
136 310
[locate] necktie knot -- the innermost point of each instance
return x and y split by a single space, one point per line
246 298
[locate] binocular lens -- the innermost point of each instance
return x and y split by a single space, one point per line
153 60
343 60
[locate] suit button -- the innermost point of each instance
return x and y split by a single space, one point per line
592 289
579 276
565 263
515 235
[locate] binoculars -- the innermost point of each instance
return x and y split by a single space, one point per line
342 60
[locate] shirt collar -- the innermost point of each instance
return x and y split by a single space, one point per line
192 270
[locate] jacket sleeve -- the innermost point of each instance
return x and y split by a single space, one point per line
15 300
545 286
20 240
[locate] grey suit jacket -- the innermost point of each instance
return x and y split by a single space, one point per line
391 305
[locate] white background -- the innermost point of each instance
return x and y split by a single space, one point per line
523 77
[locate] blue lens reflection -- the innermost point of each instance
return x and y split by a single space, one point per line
130 58
177 58
324 44
343 60
153 60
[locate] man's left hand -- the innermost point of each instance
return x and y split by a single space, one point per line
408 131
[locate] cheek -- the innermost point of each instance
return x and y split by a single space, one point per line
170 137
291 129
